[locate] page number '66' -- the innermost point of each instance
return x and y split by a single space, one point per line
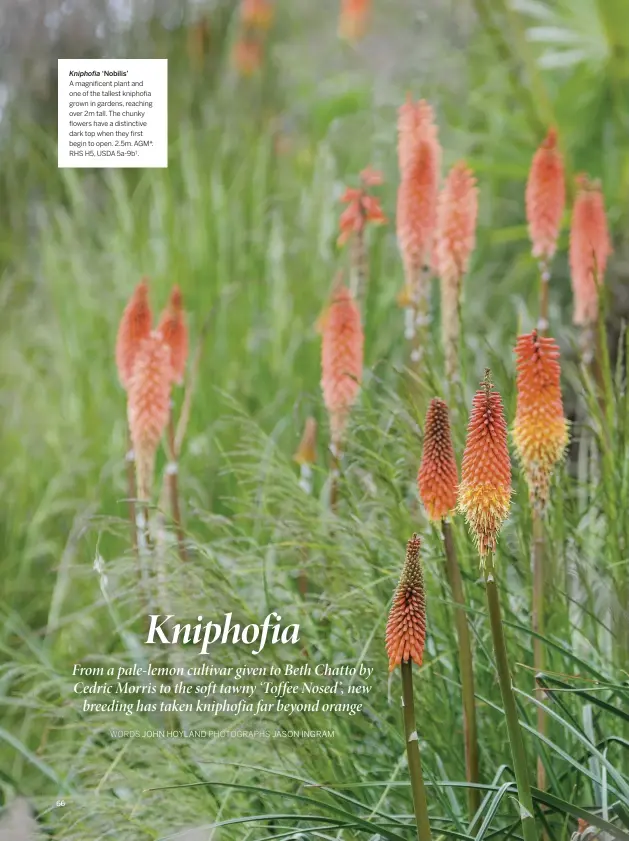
60 803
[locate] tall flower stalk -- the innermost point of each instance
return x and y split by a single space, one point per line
484 497
362 208
174 332
456 236
405 638
545 201
541 436
341 371
437 482
419 158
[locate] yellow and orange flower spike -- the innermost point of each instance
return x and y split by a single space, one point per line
406 627
135 325
354 19
545 198
541 430
485 489
590 246
257 14
173 330
148 406
341 359
457 212
438 478
419 155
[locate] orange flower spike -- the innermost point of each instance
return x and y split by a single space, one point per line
406 627
354 19
341 359
416 120
173 330
485 489
438 478
148 406
257 14
545 197
456 224
420 164
590 246
361 209
540 431
247 56
135 325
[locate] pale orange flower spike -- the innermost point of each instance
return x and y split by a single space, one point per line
173 330
341 359
419 156
135 325
457 212
354 19
148 406
257 14
485 489
590 246
438 478
545 198
541 430
361 206
406 627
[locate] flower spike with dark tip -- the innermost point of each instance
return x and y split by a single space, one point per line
406 626
437 479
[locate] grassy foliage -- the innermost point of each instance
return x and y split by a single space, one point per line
247 225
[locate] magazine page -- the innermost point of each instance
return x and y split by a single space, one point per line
315 439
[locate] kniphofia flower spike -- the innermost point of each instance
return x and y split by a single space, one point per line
485 488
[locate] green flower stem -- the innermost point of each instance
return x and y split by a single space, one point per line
539 660
412 752
466 668
518 753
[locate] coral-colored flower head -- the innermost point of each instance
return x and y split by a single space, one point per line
257 14
590 247
354 19
247 56
419 154
148 406
540 431
341 358
406 626
173 330
437 479
485 488
135 325
456 223
307 450
545 197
